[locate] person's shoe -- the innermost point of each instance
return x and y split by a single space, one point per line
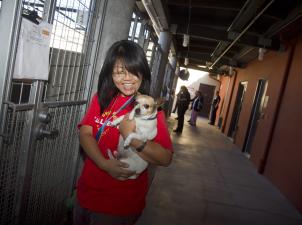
194 125
177 131
176 118
189 121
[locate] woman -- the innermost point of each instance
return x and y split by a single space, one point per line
182 106
214 108
105 195
197 103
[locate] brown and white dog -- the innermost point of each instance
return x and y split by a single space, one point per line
144 114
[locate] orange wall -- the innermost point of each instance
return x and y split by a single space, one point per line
278 132
227 101
222 93
271 68
284 164
275 65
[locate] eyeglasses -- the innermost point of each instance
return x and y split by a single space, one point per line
122 74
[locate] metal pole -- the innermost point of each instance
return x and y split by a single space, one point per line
10 21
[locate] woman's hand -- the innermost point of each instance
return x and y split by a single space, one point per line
113 167
117 169
127 126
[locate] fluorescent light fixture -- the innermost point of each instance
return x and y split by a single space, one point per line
230 70
261 54
201 66
186 40
186 61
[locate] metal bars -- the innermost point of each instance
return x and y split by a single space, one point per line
68 53
10 151
53 168
38 175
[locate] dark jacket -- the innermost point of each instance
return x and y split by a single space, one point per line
184 100
197 103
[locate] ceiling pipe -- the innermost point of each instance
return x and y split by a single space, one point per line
239 36
156 13
153 16
242 10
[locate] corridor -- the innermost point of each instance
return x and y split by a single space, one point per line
210 182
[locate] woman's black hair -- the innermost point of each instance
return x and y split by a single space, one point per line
134 59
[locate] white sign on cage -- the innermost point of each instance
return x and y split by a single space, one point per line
32 59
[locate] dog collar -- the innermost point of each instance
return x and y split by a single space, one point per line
152 118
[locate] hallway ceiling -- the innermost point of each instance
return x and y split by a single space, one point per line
214 24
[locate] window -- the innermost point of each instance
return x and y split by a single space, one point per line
70 24
135 28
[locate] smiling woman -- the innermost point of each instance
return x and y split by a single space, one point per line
105 190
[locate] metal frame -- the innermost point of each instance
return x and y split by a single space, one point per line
154 65
9 23
34 157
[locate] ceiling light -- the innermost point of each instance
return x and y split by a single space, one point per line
261 54
186 40
230 70
201 66
186 61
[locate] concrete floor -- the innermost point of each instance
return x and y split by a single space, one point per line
210 182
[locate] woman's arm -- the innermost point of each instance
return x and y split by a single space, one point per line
153 152
113 167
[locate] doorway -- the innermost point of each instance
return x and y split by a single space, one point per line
237 109
255 115
208 93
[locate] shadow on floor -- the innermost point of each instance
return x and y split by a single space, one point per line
210 182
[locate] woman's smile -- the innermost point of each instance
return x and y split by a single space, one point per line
126 82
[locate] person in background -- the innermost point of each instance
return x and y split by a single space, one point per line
176 103
214 108
105 195
197 103
182 106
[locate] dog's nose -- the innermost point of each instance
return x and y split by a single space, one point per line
137 111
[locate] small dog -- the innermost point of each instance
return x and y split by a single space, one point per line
144 113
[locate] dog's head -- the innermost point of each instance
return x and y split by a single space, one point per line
145 106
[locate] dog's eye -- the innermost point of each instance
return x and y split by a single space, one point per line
135 103
146 106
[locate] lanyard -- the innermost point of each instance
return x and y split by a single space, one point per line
100 131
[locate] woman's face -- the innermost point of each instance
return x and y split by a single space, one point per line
127 83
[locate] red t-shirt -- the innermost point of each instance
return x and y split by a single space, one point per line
96 189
